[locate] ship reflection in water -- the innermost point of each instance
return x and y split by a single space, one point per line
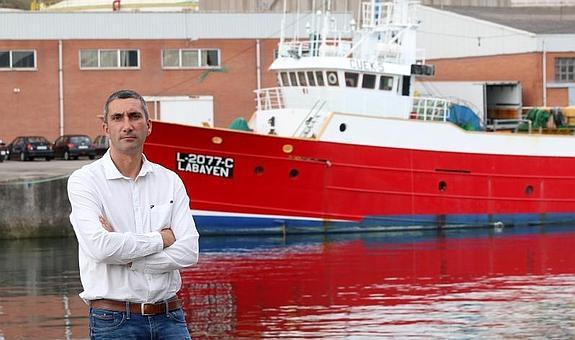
449 285
512 283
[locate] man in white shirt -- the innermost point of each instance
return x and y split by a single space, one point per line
135 231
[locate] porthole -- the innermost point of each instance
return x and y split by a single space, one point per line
293 173
528 190
342 127
442 186
332 78
259 170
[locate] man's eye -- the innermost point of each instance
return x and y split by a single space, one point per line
135 115
116 117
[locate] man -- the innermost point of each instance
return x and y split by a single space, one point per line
135 231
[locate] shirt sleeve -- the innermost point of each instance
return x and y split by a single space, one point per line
184 252
97 242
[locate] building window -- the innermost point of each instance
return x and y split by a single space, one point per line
109 59
565 69
190 58
17 60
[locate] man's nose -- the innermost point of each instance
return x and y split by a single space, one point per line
126 124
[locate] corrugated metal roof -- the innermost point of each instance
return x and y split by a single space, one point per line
540 20
150 25
80 5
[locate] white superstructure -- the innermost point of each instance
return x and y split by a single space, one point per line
370 73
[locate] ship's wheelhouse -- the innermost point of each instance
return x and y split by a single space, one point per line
340 78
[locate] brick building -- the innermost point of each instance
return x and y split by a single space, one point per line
56 69
532 45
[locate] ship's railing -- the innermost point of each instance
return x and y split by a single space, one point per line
315 48
269 99
510 124
431 108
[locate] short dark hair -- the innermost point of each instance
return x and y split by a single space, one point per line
125 94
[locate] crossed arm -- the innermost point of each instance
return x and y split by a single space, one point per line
171 248
168 237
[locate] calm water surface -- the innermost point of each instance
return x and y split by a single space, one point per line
506 284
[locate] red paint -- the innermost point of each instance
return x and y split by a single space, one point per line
344 181
244 292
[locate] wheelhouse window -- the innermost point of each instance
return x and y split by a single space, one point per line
302 80
351 79
319 78
386 83
293 78
17 60
284 79
368 81
310 78
565 69
109 59
190 58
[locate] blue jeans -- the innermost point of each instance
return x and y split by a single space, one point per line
105 324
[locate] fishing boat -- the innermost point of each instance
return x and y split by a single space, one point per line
343 144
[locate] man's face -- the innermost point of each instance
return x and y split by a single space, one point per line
127 126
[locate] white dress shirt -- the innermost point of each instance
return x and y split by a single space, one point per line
137 209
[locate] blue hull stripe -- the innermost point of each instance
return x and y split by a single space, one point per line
268 225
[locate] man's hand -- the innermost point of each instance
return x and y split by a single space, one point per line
106 224
168 237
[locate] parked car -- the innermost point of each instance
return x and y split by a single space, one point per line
3 151
73 147
101 144
26 148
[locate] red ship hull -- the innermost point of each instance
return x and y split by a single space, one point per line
241 182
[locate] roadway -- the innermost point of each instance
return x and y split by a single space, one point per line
16 171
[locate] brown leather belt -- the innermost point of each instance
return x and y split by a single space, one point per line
137 308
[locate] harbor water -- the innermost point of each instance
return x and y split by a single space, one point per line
452 284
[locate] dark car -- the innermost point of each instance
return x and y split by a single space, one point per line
26 148
101 144
73 147
3 151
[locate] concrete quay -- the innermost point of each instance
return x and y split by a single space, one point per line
33 198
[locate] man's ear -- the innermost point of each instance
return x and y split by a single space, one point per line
149 122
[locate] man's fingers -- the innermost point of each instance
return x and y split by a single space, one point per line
168 237
105 224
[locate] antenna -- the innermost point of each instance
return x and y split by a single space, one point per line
282 33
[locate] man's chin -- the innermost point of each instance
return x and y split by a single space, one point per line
130 149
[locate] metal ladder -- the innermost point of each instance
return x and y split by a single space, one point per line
312 118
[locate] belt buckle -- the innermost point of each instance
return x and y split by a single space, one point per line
143 308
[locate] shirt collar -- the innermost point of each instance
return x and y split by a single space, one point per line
113 173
